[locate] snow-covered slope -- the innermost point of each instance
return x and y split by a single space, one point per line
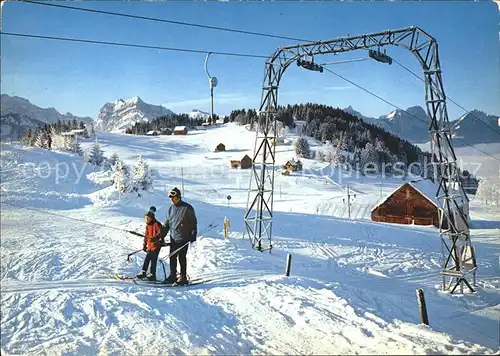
352 284
122 114
21 106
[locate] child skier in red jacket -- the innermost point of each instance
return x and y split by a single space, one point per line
152 245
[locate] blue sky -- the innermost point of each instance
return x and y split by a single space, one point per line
80 78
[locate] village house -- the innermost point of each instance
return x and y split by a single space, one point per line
220 148
165 131
244 163
180 130
292 165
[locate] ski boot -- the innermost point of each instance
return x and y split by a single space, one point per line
182 280
171 279
151 278
141 275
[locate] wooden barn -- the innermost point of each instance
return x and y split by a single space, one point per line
220 148
244 163
180 130
412 203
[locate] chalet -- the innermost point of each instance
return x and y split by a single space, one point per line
180 130
220 148
152 133
244 163
293 165
165 131
413 203
75 132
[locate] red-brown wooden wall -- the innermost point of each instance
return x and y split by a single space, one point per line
407 206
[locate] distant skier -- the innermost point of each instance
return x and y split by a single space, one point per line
152 245
182 224
49 142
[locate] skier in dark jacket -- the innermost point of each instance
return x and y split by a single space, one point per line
151 245
182 224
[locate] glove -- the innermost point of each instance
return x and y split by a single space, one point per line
144 248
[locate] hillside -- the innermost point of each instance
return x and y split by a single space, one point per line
352 284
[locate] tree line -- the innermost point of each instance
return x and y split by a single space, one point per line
161 122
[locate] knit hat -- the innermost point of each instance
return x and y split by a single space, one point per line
174 193
151 212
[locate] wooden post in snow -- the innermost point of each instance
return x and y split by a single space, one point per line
288 264
422 307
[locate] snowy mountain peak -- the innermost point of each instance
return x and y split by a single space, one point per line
198 114
469 128
122 114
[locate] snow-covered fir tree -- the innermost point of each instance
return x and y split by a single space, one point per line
119 176
320 155
39 139
369 159
488 192
113 159
142 176
75 147
337 158
96 156
301 147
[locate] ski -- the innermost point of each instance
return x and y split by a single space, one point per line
120 277
161 284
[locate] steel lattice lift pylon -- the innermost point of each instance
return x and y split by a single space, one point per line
459 260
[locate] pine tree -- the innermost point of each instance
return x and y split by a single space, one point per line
120 176
368 156
39 139
337 158
320 155
142 176
58 141
74 146
96 155
113 159
301 147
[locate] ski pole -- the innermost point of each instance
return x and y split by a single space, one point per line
133 253
208 228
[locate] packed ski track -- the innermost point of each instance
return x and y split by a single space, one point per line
352 284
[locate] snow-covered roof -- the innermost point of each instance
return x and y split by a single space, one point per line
179 128
73 132
427 188
150 132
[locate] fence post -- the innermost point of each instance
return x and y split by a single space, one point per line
288 264
422 307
